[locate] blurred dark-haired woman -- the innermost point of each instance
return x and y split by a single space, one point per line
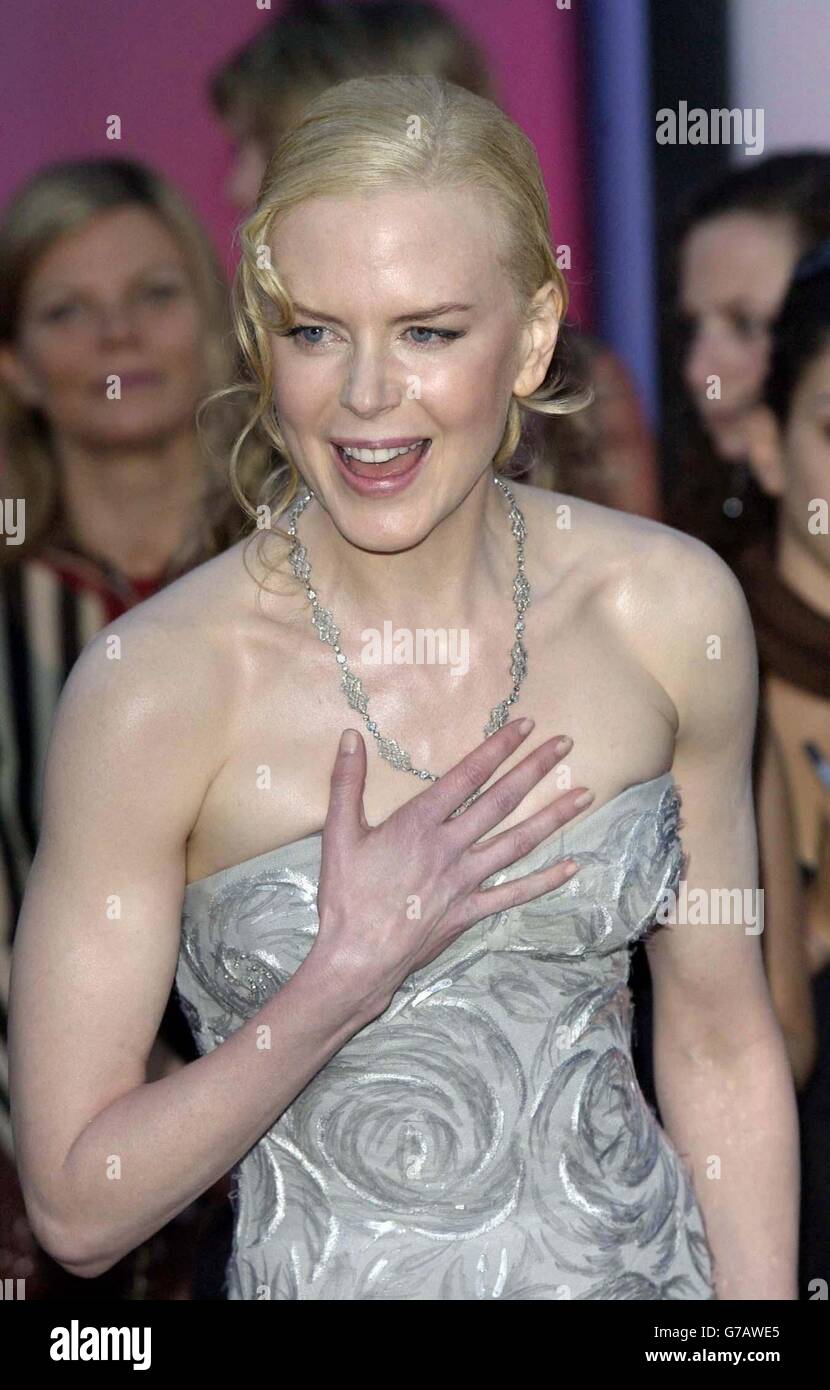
738 243
787 582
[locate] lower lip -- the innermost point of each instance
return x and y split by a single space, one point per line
380 486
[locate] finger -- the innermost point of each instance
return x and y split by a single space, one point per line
506 794
348 779
502 850
447 794
520 890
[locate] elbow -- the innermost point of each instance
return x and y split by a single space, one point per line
74 1250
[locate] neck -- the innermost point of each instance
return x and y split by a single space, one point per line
131 507
801 570
464 566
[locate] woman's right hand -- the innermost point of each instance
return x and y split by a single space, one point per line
393 896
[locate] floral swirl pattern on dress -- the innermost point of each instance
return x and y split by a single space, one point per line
485 1137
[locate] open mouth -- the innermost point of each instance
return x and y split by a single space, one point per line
383 463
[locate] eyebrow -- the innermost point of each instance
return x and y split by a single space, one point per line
434 312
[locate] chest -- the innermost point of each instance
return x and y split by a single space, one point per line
433 697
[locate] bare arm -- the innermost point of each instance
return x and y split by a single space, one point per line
785 908
721 1068
105 1157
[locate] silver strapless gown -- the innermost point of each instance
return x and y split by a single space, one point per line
485 1137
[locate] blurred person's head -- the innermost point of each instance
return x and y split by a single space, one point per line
739 242
264 88
368 222
104 272
789 432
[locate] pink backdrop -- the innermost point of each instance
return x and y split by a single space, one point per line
67 67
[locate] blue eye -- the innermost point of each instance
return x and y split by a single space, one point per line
433 335
302 328
444 334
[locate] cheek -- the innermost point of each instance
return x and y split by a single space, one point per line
60 364
304 391
468 387
177 335
752 364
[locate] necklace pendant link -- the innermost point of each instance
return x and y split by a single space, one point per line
521 592
325 625
299 562
518 664
355 694
394 754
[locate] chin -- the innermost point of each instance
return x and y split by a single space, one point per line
728 441
377 541
730 445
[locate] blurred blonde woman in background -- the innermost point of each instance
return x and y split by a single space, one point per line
114 325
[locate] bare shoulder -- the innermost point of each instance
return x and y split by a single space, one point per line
623 550
183 623
163 673
671 597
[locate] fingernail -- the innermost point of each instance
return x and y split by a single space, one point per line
525 725
570 867
348 741
584 799
564 744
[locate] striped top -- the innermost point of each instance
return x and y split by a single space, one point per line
51 604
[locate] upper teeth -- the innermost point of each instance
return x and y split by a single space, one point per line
380 455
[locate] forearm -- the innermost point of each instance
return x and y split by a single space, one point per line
732 1116
153 1151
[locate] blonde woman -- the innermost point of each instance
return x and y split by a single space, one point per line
409 991
605 453
114 325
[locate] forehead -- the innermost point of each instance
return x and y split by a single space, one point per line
738 256
116 243
417 246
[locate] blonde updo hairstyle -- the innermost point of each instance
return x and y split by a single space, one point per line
372 134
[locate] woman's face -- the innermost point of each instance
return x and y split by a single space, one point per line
406 330
806 458
112 299
735 269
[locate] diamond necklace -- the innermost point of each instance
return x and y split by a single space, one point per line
328 632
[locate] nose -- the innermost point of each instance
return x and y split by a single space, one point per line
705 357
372 384
116 322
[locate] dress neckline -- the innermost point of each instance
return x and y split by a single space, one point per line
571 829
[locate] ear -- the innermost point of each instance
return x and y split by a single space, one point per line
17 378
765 450
539 338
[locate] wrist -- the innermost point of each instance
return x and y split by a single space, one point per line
335 981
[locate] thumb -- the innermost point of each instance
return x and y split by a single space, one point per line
348 779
